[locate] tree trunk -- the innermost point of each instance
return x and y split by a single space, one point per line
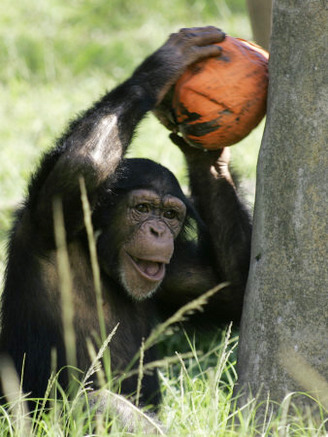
260 17
284 331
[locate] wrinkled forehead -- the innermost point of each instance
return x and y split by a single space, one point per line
157 200
138 173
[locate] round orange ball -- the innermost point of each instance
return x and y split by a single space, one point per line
218 101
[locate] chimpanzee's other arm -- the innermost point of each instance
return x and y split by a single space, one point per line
94 144
228 225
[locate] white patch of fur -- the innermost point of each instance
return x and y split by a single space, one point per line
137 292
106 129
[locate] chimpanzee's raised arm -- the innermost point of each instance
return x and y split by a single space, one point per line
228 224
94 144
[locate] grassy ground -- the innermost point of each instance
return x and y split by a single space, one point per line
56 58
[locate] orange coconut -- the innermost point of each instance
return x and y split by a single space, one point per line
218 101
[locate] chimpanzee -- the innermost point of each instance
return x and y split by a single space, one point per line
148 259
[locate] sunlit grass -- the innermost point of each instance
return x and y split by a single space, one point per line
197 400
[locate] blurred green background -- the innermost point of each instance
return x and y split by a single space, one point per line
58 56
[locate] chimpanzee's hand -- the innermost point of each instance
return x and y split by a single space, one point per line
215 160
187 47
163 68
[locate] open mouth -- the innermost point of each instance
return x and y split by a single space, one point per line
151 270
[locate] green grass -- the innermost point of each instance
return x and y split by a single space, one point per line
56 58
197 401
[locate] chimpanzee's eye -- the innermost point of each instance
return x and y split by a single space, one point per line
142 207
170 214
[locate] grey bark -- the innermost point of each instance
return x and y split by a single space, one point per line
284 331
260 17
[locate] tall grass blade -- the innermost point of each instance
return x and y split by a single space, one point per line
140 371
93 258
94 367
65 287
304 374
181 314
12 389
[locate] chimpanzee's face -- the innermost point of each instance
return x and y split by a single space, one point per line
152 222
